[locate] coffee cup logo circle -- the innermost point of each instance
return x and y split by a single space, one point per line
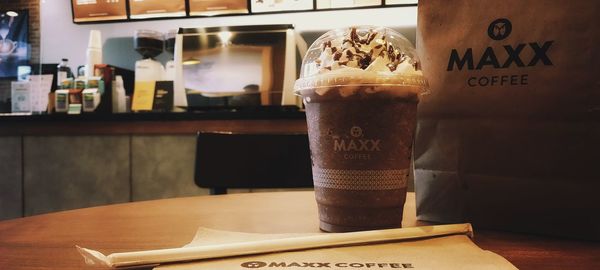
500 29
254 264
356 131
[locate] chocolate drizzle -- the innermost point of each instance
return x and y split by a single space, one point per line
371 37
354 36
326 45
365 62
350 52
337 56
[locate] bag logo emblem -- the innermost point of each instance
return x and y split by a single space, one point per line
500 29
356 132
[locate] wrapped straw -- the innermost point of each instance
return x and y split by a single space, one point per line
156 257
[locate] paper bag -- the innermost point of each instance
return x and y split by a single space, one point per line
509 137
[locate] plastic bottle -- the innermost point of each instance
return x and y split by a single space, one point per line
63 72
118 95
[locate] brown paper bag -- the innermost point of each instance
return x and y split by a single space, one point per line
509 137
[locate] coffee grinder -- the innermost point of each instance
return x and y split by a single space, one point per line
149 44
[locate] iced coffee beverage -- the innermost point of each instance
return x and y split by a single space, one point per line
360 87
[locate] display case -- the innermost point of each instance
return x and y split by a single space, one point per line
262 6
94 11
217 7
329 4
144 9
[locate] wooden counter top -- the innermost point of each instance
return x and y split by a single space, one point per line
152 123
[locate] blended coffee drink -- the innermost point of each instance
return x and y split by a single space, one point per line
361 87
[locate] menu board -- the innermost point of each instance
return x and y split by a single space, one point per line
260 6
217 7
98 10
326 4
400 2
142 9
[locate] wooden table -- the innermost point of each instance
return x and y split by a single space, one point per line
48 241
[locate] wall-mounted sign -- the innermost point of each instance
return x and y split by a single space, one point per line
260 6
142 9
98 10
327 4
217 7
14 42
400 2
110 10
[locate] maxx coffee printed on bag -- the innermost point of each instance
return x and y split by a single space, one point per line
508 136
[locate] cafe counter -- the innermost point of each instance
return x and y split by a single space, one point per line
58 162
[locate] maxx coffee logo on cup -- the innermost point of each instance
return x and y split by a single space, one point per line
338 265
515 58
356 146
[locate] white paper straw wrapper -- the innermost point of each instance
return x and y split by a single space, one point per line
155 257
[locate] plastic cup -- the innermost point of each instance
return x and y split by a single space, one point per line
360 87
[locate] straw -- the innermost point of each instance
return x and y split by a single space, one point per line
152 257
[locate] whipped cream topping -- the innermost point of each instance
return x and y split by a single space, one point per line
369 51
361 59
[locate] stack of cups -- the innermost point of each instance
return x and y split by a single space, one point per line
361 87
93 52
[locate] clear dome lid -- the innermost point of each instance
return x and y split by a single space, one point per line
360 55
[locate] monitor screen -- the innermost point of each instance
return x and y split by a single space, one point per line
236 66
14 41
